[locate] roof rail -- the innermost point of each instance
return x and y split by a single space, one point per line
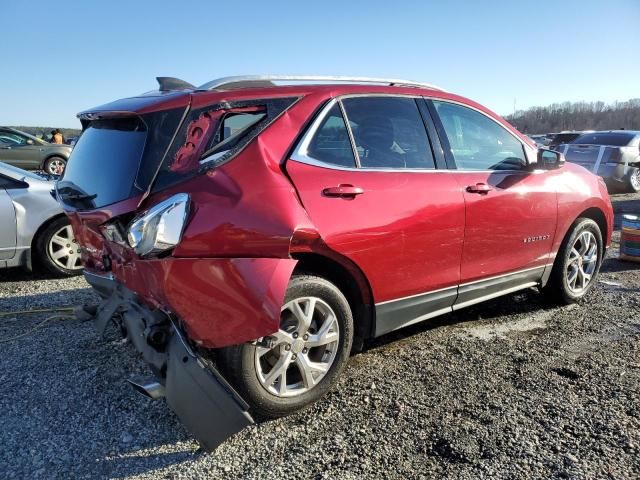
247 81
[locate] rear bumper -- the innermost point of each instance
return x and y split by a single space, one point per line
207 405
219 301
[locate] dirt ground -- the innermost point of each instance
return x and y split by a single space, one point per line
512 388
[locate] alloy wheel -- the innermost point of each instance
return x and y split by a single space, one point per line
582 263
635 179
55 167
297 357
64 250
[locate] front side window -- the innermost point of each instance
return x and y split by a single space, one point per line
389 132
477 142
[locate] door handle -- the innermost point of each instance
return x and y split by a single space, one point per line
343 191
481 188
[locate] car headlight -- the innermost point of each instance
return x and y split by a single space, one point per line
161 227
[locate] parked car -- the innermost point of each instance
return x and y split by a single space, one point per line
35 231
610 154
249 235
540 140
26 151
564 138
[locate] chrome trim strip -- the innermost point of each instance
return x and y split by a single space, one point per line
506 274
416 295
458 306
465 284
219 83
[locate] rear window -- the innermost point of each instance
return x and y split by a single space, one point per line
103 166
612 139
116 159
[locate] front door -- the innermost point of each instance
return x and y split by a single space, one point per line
8 216
19 150
511 211
375 196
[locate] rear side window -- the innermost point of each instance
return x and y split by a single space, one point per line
477 142
389 133
331 142
609 138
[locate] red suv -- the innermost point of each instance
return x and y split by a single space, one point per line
247 236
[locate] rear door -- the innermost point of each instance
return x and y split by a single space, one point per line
511 210
371 187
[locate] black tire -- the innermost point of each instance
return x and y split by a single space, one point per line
51 165
43 252
558 288
238 363
633 180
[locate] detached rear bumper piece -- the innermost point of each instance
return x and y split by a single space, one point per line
207 405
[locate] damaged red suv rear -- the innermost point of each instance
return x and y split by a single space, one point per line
246 235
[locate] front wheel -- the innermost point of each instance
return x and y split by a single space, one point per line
299 363
577 263
633 180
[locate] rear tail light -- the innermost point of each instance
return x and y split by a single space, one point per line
160 228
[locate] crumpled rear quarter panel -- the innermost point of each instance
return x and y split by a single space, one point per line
219 301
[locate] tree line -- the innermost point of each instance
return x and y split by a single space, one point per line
43 131
578 116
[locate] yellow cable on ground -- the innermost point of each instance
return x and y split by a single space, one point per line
37 310
30 331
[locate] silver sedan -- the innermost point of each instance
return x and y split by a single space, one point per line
34 232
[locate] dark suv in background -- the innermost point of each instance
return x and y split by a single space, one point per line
30 153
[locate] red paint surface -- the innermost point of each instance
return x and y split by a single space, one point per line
407 233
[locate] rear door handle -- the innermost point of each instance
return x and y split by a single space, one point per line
481 188
343 191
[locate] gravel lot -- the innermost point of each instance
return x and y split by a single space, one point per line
512 388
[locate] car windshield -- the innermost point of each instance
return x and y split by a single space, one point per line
616 139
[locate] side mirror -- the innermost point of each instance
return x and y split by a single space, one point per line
549 159
29 141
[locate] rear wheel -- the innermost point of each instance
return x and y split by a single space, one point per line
577 263
55 165
300 362
58 250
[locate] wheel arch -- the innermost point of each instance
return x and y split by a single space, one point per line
51 155
598 216
351 281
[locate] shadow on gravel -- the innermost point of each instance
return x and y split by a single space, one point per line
523 302
52 300
614 265
19 274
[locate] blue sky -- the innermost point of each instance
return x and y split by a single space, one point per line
62 57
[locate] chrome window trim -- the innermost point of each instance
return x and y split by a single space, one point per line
300 153
464 105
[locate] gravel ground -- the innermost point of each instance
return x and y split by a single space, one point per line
511 388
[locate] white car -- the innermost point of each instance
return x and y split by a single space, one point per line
35 231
